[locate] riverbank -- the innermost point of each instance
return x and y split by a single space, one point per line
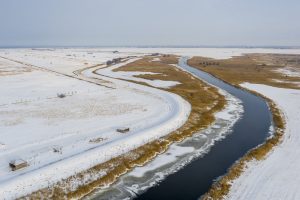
62 135
66 61
274 177
205 101
177 158
234 75
221 188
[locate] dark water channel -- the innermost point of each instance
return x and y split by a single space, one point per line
196 178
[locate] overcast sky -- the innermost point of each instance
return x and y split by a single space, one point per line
149 22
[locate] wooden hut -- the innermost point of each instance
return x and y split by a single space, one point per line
18 164
57 149
123 130
61 95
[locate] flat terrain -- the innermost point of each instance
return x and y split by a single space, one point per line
204 99
275 177
272 69
61 108
156 72
60 136
270 174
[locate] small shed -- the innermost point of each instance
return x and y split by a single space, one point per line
96 140
18 164
61 95
116 60
57 149
109 62
123 130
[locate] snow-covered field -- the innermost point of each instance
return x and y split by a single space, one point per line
217 53
108 71
276 177
176 157
61 136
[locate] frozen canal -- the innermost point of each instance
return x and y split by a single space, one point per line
187 169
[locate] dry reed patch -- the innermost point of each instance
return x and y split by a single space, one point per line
252 68
10 69
169 59
205 101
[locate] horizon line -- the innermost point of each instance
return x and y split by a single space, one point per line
151 46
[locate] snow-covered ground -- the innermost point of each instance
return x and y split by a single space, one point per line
34 121
128 75
277 176
218 53
64 60
289 71
81 128
68 59
176 157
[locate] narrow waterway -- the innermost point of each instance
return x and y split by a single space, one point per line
196 178
188 169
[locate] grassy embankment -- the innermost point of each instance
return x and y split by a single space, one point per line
204 99
254 68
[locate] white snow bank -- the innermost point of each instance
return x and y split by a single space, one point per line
155 59
292 72
177 156
108 71
62 60
163 159
296 83
33 120
276 177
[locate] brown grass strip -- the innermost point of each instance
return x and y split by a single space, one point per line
205 101
252 68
